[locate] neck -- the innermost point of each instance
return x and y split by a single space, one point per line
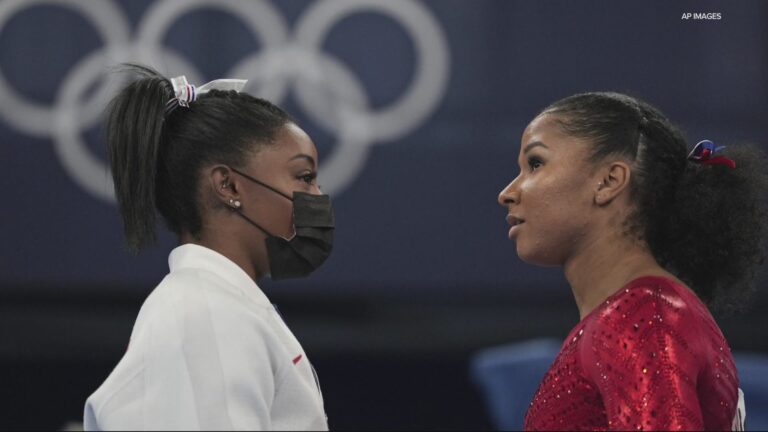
605 265
230 249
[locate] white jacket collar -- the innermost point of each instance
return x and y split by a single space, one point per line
193 256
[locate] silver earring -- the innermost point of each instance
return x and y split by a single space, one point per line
224 186
234 203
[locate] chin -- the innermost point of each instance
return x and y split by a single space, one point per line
537 257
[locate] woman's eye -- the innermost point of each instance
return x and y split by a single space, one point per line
308 178
534 163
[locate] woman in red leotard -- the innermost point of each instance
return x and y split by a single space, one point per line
649 235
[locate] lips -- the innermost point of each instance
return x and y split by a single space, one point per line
514 220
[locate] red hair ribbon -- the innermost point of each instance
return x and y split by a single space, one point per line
704 151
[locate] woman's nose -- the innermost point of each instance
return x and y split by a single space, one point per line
509 195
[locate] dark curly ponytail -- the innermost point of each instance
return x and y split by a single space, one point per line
156 157
704 223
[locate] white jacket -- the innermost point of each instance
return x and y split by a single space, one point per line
208 351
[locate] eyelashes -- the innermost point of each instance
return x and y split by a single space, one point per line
534 163
308 178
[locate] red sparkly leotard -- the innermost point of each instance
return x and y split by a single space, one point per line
650 357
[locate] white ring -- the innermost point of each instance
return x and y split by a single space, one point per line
326 89
431 76
88 171
260 17
34 118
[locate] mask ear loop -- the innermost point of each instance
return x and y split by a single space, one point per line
247 219
260 183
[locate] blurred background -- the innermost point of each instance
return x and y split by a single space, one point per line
417 108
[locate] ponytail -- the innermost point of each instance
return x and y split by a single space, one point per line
714 234
156 156
704 223
134 136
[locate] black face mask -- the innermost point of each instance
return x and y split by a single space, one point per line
312 241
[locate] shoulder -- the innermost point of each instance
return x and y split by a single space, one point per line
193 291
645 347
648 317
650 301
191 303
195 335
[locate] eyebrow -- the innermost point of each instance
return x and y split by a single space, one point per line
532 145
304 156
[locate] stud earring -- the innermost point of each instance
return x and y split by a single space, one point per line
234 203
224 185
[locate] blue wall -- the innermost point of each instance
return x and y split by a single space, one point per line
414 183
416 207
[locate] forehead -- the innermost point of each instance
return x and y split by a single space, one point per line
290 141
545 129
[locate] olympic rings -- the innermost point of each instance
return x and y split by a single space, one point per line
286 60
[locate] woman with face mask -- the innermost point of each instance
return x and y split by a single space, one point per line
648 233
235 178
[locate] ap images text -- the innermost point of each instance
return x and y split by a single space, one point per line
702 16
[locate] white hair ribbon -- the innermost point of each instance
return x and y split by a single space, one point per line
185 93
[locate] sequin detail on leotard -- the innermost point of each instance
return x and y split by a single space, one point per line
650 357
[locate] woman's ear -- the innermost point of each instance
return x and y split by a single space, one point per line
225 189
614 180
